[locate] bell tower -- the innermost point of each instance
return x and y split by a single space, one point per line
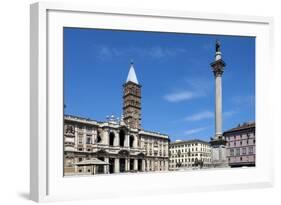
132 100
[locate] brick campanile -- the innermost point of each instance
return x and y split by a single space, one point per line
132 100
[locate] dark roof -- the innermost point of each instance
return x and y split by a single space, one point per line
241 127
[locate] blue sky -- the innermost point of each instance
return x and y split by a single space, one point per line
175 74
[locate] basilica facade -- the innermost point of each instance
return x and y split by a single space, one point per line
114 146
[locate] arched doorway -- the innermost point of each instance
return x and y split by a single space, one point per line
122 162
111 138
123 157
132 164
111 165
100 168
140 165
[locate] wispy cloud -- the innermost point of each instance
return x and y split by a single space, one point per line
248 99
105 52
194 131
229 113
200 116
200 84
207 114
180 96
195 88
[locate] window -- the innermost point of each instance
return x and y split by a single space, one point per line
79 159
244 150
237 152
89 140
98 137
122 138
80 139
231 152
251 150
111 138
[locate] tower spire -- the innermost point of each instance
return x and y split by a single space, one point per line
132 74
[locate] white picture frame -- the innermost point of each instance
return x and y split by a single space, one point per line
46 172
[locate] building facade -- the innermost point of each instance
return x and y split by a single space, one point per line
189 154
122 144
241 145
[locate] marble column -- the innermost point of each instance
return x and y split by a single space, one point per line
218 69
147 165
106 168
116 165
166 165
116 139
105 139
135 144
135 164
126 142
127 164
75 166
94 169
218 108
143 165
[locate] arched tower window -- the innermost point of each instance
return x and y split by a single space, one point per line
111 138
98 137
131 141
122 138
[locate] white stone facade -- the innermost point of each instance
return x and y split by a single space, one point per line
189 154
124 148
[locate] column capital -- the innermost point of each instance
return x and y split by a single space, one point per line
218 67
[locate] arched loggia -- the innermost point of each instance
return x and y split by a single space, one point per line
131 142
122 138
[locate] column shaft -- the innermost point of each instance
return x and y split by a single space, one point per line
218 107
106 171
116 165
127 165
143 165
